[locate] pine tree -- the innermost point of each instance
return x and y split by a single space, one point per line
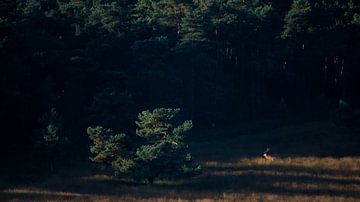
51 124
51 136
160 151
110 150
111 17
164 153
296 20
194 28
165 15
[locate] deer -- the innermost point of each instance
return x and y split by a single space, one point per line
267 156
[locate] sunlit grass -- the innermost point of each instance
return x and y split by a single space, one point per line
227 176
38 191
248 179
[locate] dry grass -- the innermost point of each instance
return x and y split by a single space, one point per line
227 176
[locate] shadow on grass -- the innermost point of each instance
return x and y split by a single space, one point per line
250 180
35 197
286 168
214 186
215 181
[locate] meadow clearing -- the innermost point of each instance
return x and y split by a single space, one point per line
315 161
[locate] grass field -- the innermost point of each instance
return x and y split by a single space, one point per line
315 161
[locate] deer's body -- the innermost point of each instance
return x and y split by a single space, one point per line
267 156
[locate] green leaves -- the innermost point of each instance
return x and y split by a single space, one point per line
356 19
183 128
193 29
164 153
32 7
102 17
155 123
107 147
160 154
149 153
51 125
166 13
110 17
297 19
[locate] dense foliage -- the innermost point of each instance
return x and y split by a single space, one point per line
221 61
158 150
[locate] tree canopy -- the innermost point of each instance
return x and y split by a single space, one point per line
100 62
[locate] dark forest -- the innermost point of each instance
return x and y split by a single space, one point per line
130 78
